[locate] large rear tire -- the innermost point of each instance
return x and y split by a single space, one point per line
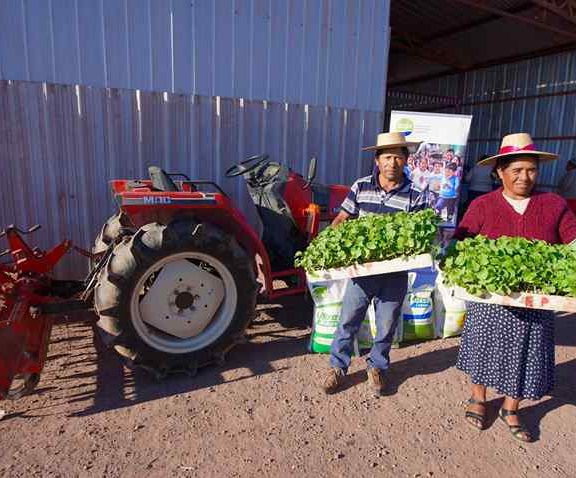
176 297
110 232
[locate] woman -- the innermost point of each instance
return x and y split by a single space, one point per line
507 348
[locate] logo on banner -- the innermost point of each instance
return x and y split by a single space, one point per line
404 126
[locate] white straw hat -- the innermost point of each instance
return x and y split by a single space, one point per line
391 140
515 145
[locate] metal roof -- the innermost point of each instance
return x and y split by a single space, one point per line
435 37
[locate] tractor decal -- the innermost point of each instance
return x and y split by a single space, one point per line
155 200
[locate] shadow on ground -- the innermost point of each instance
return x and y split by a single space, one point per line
92 378
564 393
423 364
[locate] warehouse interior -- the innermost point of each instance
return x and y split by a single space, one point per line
510 64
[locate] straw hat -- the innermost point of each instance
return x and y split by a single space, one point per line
391 140
516 145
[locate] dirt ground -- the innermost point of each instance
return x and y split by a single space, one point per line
263 414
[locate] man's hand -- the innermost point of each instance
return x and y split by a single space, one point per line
340 218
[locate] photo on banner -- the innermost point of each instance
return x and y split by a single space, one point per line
438 162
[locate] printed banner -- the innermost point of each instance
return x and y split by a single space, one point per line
438 163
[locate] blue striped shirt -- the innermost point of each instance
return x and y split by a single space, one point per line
367 197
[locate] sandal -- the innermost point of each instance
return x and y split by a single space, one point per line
517 431
475 419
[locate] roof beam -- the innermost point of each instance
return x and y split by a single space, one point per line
477 23
498 61
531 21
565 9
417 47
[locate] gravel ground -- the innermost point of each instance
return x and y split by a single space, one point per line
262 414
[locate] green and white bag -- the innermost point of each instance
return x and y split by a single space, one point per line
450 311
418 314
327 297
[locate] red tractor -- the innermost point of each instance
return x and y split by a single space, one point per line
175 274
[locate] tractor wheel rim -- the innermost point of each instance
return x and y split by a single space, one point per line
160 339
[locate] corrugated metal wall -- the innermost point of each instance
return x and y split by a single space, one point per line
59 145
537 96
318 52
191 85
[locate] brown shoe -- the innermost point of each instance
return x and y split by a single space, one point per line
376 381
333 380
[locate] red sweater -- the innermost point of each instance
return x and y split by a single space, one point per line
547 218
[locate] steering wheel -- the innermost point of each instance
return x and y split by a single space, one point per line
245 166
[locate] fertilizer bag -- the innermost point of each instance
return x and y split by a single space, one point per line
327 297
418 314
450 311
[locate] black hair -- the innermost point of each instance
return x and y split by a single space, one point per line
494 176
505 161
452 167
405 152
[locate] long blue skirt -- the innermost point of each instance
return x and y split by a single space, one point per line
509 349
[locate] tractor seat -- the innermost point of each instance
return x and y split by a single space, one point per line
160 180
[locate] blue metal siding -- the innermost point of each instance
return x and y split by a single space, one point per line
40 58
183 43
65 142
260 31
319 52
139 46
65 37
13 38
115 39
99 89
93 47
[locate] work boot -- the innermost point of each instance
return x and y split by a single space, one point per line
375 381
333 380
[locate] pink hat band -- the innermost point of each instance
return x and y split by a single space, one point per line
515 149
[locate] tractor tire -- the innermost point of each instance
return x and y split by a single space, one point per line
174 298
110 232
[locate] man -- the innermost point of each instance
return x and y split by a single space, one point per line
567 185
387 190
